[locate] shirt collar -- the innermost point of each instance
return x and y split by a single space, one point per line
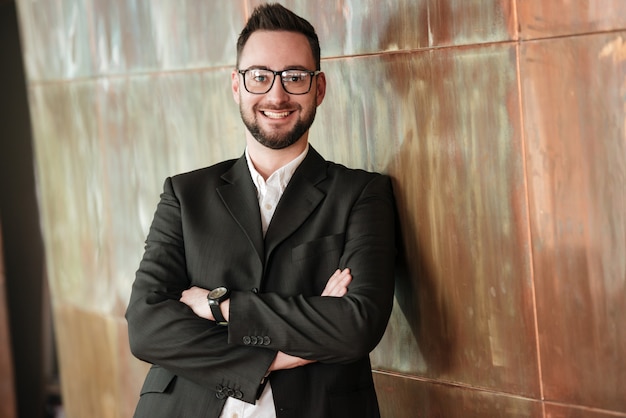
282 175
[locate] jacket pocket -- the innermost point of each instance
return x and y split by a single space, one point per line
158 380
318 247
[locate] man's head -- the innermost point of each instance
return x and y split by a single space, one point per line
277 83
274 17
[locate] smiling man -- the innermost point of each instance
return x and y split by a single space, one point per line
266 280
287 111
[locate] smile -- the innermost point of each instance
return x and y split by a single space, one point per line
276 115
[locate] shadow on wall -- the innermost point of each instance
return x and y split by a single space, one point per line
418 289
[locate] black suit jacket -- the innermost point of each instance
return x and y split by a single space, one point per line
207 232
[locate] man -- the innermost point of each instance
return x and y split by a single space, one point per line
241 301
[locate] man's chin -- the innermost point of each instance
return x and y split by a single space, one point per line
275 144
278 139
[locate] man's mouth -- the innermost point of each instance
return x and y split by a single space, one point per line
276 115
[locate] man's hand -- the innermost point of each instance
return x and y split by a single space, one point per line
196 298
284 361
337 285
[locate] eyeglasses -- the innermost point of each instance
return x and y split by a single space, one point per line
260 81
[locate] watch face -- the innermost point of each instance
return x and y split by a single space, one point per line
218 292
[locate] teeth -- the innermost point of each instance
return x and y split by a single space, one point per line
276 115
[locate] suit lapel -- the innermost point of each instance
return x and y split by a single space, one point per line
299 200
239 196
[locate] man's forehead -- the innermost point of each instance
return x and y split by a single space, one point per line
275 43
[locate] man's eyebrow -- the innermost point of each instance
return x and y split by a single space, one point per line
297 68
288 68
257 67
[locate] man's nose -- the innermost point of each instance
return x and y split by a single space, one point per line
277 92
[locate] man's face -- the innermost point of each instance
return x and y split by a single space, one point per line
277 119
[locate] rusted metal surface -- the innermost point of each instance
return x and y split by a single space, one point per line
567 411
7 386
404 397
72 39
104 172
575 112
372 26
464 305
508 161
100 373
107 37
547 19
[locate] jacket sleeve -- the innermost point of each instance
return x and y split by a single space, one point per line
164 331
331 329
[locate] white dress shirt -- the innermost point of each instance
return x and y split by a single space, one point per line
269 193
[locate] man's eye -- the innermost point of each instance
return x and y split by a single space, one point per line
294 78
260 78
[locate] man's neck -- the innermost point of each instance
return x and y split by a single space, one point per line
267 160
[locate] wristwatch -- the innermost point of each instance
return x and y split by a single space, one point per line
215 297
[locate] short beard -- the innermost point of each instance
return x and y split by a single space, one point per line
278 141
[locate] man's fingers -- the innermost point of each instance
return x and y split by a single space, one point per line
329 284
332 283
195 298
337 285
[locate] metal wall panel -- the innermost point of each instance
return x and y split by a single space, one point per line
404 397
575 113
546 19
71 39
7 385
464 305
56 39
566 411
348 27
105 147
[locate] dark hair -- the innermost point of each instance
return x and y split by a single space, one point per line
275 17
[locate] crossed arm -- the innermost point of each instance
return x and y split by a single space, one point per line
165 331
196 298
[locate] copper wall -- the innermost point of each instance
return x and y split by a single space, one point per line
502 123
7 388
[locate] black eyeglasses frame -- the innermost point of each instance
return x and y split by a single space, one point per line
312 74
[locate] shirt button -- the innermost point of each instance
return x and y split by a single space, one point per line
268 206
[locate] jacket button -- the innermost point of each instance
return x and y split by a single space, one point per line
246 340
254 340
266 340
220 392
255 290
238 394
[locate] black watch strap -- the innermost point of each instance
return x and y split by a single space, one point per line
217 312
215 297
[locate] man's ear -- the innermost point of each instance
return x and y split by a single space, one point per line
320 92
234 78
